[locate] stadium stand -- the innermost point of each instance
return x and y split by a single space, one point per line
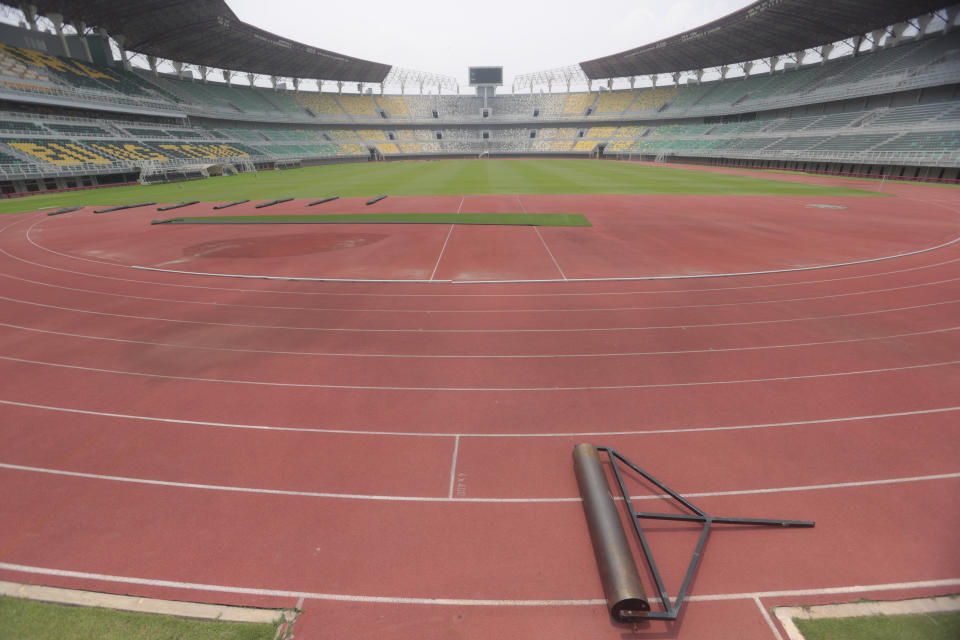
322 104
615 101
895 105
577 103
394 106
356 105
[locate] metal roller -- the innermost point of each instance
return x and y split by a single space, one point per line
618 571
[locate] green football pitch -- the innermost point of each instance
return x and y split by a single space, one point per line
441 177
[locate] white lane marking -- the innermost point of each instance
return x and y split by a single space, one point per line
491 331
414 434
466 295
388 498
550 253
460 208
453 465
545 280
439 257
247 276
509 356
309 595
767 618
365 387
566 310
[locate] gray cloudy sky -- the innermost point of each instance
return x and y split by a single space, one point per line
447 37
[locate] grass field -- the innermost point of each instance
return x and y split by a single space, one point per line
440 177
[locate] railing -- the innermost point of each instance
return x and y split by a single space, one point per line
913 158
9 92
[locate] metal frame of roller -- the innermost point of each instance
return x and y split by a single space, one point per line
618 571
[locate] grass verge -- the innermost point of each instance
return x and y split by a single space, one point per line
29 620
934 626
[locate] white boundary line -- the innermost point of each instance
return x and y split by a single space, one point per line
453 465
442 249
507 281
307 595
462 295
413 434
550 253
388 498
456 356
621 387
767 618
856 314
545 280
565 310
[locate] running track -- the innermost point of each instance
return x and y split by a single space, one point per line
394 457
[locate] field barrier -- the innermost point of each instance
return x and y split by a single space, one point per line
23 194
823 172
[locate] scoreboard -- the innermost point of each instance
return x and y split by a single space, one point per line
489 76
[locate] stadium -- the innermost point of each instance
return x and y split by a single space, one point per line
294 333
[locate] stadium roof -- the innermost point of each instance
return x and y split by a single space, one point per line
208 33
760 30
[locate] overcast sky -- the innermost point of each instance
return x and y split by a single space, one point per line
447 37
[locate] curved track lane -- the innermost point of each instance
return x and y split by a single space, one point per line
396 455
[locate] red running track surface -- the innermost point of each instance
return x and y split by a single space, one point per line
394 457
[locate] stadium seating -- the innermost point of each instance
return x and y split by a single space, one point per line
394 106
322 104
614 101
342 134
632 131
924 142
77 129
577 103
140 132
14 126
652 99
796 143
358 105
371 134
601 133
912 115
858 142
853 107
420 107
59 152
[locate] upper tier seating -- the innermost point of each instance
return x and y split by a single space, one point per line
652 99
577 103
394 106
614 101
912 115
852 142
322 104
358 105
